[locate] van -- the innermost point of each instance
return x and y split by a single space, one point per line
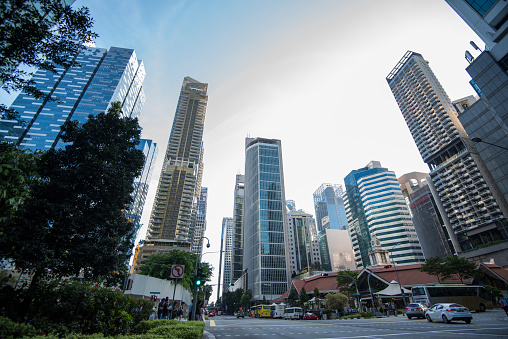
293 313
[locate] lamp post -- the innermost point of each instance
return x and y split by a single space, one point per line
397 275
488 143
194 299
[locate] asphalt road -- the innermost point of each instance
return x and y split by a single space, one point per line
491 324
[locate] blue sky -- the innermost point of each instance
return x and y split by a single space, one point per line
311 73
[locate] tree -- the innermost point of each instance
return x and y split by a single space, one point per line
317 295
246 299
159 266
304 297
461 267
43 34
76 209
18 172
347 284
336 301
293 297
493 292
264 301
434 266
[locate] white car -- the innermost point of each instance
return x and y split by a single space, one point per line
448 312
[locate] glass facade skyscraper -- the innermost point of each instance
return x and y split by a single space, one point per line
227 244
105 76
175 212
237 246
376 207
265 228
303 242
329 207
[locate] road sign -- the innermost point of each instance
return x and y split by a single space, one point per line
177 271
155 292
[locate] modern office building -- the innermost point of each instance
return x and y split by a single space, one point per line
329 207
486 121
179 185
142 183
105 76
237 249
226 255
429 224
463 184
375 206
410 183
336 251
198 226
304 253
265 223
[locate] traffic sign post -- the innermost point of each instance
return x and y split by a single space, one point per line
176 273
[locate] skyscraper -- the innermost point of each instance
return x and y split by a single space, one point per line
104 77
180 180
237 246
375 207
227 248
198 225
303 242
336 250
141 183
463 184
329 207
265 225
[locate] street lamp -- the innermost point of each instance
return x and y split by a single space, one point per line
194 299
476 139
397 275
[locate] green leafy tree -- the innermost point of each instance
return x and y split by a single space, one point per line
346 284
336 301
303 297
463 268
73 221
434 266
493 292
246 299
18 172
317 295
30 38
264 301
159 266
293 297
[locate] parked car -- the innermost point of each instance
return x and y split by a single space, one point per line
211 313
448 312
240 314
309 316
416 310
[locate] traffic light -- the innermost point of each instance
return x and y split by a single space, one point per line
198 279
324 274
154 298
388 266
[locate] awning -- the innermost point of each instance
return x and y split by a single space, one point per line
392 290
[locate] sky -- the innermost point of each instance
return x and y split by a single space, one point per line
310 73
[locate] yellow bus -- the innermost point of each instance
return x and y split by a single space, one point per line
261 311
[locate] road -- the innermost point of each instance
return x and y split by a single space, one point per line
491 324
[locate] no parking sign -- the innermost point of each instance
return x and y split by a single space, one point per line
177 271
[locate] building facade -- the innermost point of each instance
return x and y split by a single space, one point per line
237 247
179 185
374 198
329 207
336 251
265 223
463 184
304 252
199 223
105 76
226 255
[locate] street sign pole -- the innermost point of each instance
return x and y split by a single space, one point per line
176 273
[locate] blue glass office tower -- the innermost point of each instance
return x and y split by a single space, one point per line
329 207
375 206
105 76
142 182
265 223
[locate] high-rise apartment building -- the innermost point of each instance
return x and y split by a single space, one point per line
198 226
304 253
329 207
265 223
179 188
105 76
463 185
142 183
226 248
237 247
375 207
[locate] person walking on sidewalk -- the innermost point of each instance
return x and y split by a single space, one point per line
504 304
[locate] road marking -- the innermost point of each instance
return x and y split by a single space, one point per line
212 323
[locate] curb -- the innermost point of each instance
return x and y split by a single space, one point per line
207 335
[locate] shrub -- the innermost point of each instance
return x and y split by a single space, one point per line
366 314
352 316
10 329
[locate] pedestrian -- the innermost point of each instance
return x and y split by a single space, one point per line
174 311
153 316
165 309
320 315
201 310
160 309
504 304
394 309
